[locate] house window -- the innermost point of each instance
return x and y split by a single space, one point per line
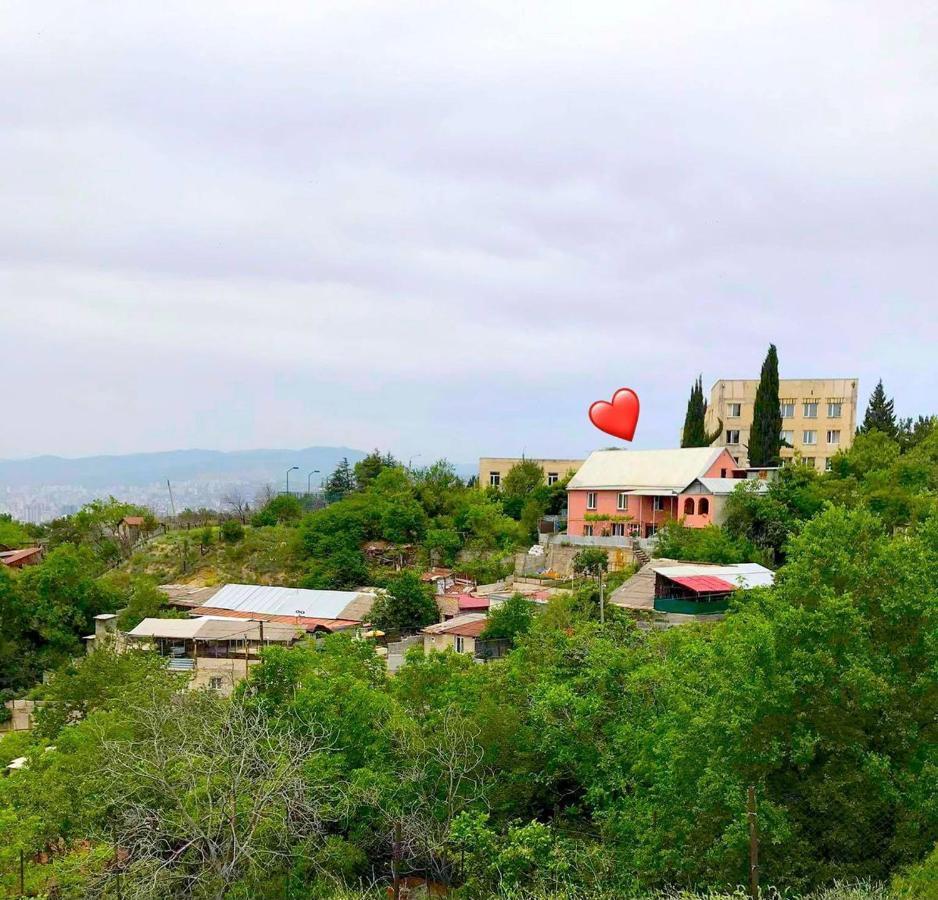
807 461
214 684
722 473
787 409
591 499
495 479
460 643
618 529
734 410
809 437
828 465
635 529
552 478
622 500
732 436
689 506
833 436
703 508
834 409
810 409
587 531
787 436
657 504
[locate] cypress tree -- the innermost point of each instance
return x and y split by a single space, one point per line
880 413
694 434
765 436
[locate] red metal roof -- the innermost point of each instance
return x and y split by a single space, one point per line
467 629
703 584
307 622
467 601
11 557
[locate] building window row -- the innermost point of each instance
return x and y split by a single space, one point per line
809 409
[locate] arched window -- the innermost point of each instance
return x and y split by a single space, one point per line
689 506
703 507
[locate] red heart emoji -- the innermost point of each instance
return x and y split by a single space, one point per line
618 418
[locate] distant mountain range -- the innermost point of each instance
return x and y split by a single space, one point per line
258 466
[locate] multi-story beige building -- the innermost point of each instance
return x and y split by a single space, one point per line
819 416
493 469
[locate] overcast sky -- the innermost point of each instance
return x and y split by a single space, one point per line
446 228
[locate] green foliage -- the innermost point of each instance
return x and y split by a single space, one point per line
284 509
510 620
765 442
369 468
880 414
13 534
406 605
231 531
340 483
590 561
710 544
694 433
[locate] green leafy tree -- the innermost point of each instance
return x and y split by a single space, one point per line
284 509
13 534
592 561
711 544
368 469
765 436
406 605
912 433
880 413
510 620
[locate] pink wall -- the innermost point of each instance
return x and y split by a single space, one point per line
641 509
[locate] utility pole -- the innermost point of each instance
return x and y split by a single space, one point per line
172 503
753 819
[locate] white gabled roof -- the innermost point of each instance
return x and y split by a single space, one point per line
281 601
744 575
665 471
212 628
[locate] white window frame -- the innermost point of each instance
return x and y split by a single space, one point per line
787 409
787 435
552 478
828 464
591 499
657 503
618 529
729 436
809 461
622 500
805 413
215 683
840 409
731 414
833 435
809 441
459 643
588 529
495 479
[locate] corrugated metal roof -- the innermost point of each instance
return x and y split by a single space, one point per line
468 625
664 470
728 485
310 623
467 601
282 601
703 584
744 575
210 628
9 557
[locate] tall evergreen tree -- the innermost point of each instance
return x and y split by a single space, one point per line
340 483
765 436
695 428
880 414
694 434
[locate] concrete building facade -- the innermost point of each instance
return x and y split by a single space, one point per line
819 416
493 469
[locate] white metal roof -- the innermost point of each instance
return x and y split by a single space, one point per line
728 485
281 601
212 628
745 575
664 470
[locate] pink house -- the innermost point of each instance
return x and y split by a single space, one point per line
632 493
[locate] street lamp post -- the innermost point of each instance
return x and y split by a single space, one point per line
308 477
291 469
